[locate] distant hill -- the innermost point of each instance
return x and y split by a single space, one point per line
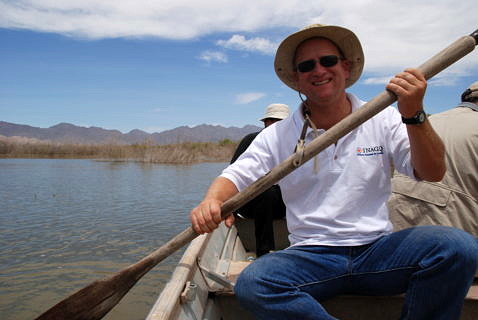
69 133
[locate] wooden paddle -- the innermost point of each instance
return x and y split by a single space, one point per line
99 297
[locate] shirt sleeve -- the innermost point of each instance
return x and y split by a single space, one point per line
254 163
243 145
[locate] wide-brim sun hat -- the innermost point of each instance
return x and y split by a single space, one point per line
344 39
276 111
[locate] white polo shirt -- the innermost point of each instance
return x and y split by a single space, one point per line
345 202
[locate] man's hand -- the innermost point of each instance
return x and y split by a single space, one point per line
207 215
426 148
409 86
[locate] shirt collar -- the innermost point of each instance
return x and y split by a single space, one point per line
298 117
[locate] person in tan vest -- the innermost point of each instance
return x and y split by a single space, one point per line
454 200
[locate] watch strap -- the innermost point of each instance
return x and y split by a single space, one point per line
418 118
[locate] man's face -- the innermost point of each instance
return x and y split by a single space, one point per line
321 84
269 121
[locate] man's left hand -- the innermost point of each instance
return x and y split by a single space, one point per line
409 86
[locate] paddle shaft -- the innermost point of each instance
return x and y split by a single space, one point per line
99 297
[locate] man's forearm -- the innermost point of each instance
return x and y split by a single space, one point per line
428 152
221 189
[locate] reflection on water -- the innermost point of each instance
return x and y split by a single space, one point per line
66 223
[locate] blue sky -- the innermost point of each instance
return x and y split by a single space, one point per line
157 65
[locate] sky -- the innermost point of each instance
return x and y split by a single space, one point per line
155 65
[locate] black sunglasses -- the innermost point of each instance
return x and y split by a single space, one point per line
325 61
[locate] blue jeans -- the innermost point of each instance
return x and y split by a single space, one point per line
433 265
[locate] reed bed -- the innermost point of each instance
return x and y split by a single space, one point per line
182 153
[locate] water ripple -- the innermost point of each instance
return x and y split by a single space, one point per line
66 223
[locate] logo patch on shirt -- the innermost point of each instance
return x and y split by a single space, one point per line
369 151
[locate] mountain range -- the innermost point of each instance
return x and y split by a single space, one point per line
69 133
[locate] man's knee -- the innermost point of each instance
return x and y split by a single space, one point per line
244 288
454 245
466 248
256 279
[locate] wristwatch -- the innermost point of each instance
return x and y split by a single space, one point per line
418 118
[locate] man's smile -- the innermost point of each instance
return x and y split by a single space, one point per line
319 83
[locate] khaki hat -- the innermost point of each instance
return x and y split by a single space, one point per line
276 111
344 39
471 93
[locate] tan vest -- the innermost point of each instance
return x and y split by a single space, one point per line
454 200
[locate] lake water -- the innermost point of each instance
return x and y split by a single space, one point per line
66 223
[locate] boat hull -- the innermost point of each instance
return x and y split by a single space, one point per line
201 286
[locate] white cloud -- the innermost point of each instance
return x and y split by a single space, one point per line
377 80
210 56
172 19
238 42
400 34
394 34
442 82
445 79
245 98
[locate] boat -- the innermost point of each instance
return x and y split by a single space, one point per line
202 284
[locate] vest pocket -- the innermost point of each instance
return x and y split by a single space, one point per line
425 191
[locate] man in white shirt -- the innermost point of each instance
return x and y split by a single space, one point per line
341 237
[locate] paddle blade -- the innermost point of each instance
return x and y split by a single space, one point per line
94 301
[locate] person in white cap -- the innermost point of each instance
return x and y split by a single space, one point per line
454 200
269 205
340 232
275 112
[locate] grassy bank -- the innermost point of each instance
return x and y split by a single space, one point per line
183 153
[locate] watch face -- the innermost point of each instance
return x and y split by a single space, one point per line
418 118
421 117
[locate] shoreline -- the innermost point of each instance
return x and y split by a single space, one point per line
181 153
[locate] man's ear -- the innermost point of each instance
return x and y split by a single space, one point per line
295 77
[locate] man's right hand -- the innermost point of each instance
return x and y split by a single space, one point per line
207 215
